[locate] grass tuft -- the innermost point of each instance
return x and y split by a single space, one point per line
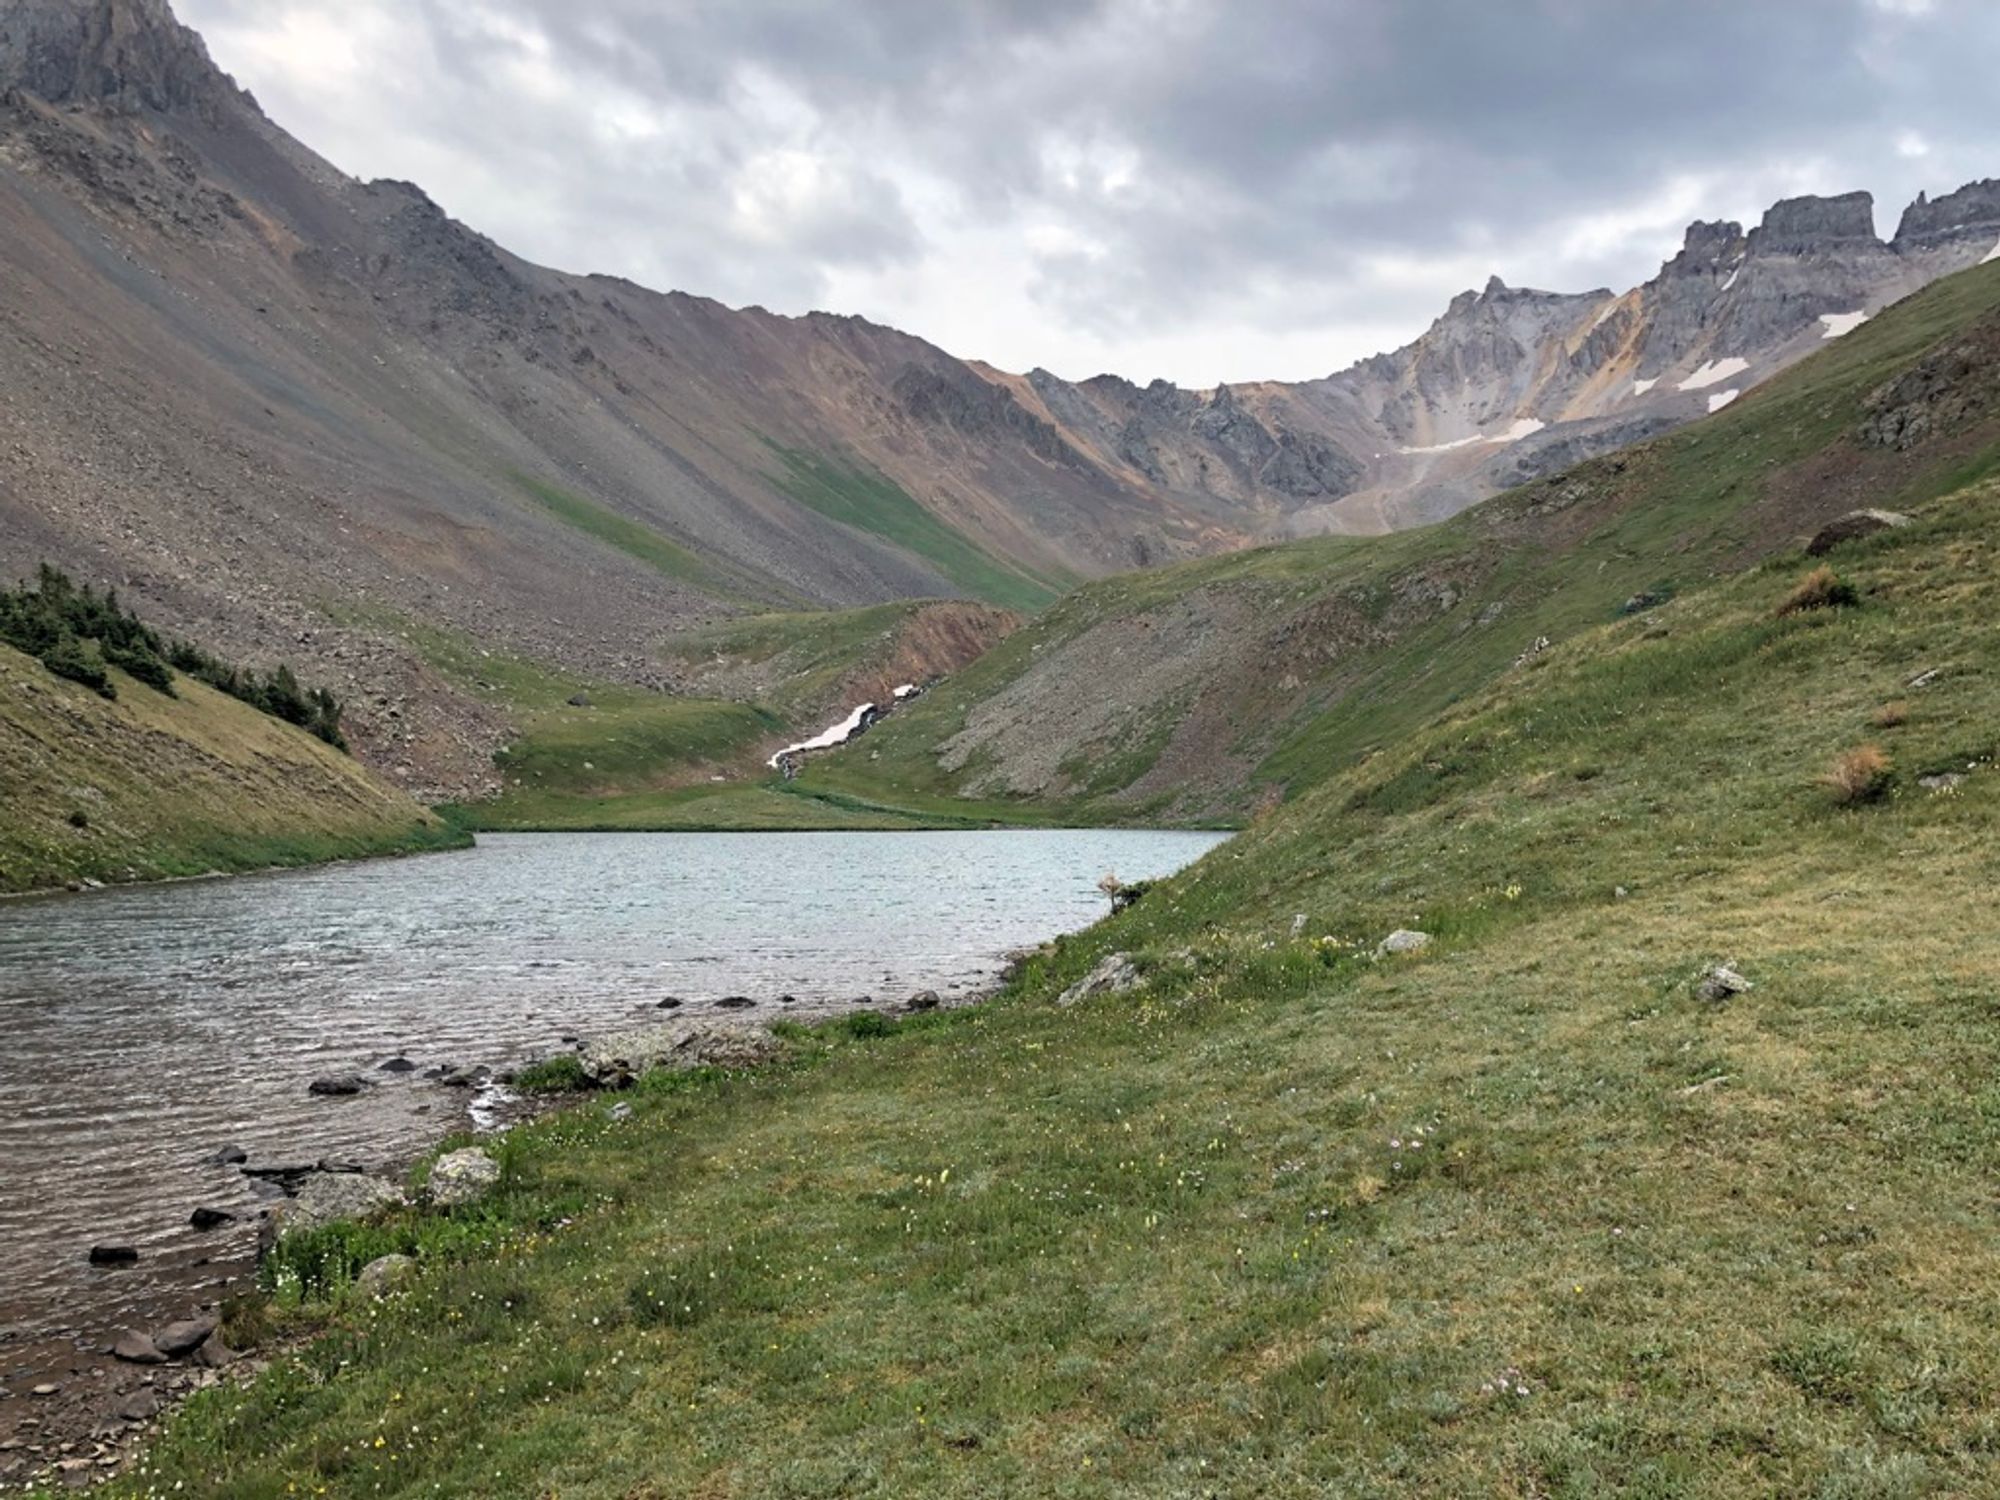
1822 588
1863 774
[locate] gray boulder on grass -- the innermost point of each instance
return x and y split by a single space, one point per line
1114 975
461 1177
329 1197
1404 940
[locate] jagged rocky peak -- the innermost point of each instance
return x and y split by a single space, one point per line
1711 245
1976 206
125 54
1812 223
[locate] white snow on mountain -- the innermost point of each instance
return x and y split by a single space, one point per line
1833 325
1721 399
826 739
1640 387
1714 372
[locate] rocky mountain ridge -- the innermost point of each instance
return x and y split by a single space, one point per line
294 412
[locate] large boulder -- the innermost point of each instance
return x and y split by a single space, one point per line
617 1060
1115 973
135 1348
1852 527
329 1197
1404 940
182 1338
461 1177
385 1273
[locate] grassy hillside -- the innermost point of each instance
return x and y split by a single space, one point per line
593 755
1519 1215
150 786
1212 688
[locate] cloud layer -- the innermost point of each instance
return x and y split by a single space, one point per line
1201 189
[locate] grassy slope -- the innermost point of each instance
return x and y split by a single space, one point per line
1180 1241
175 786
1550 559
871 503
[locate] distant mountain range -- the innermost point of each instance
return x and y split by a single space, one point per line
306 413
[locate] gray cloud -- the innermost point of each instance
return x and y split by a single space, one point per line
1185 187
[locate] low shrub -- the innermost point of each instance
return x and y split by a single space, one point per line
1862 774
1892 715
80 661
1822 588
561 1074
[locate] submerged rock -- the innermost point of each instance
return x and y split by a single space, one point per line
1115 973
227 1156
113 1255
210 1218
397 1065
734 1002
460 1177
337 1085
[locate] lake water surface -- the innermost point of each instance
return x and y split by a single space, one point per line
145 1027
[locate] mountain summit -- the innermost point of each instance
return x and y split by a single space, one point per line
283 408
117 54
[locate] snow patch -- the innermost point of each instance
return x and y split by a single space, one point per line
1522 427
1833 325
1714 372
826 739
1721 399
1640 387
1732 279
905 690
1994 253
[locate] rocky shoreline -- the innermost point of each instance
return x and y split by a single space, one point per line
76 1407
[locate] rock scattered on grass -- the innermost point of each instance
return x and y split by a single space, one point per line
1404 940
1115 973
461 1177
1852 527
329 1197
384 1273
1720 983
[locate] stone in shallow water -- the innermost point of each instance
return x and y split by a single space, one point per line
210 1218
337 1085
177 1339
135 1348
113 1255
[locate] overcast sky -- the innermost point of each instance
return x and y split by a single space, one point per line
1202 189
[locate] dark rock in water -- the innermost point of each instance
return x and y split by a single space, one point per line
928 1000
1852 527
788 999
734 1002
672 1002
465 1078
135 1348
113 1255
569 1041
337 1085
178 1339
210 1218
266 1189
399 1065
228 1156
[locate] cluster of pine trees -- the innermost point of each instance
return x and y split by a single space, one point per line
80 634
